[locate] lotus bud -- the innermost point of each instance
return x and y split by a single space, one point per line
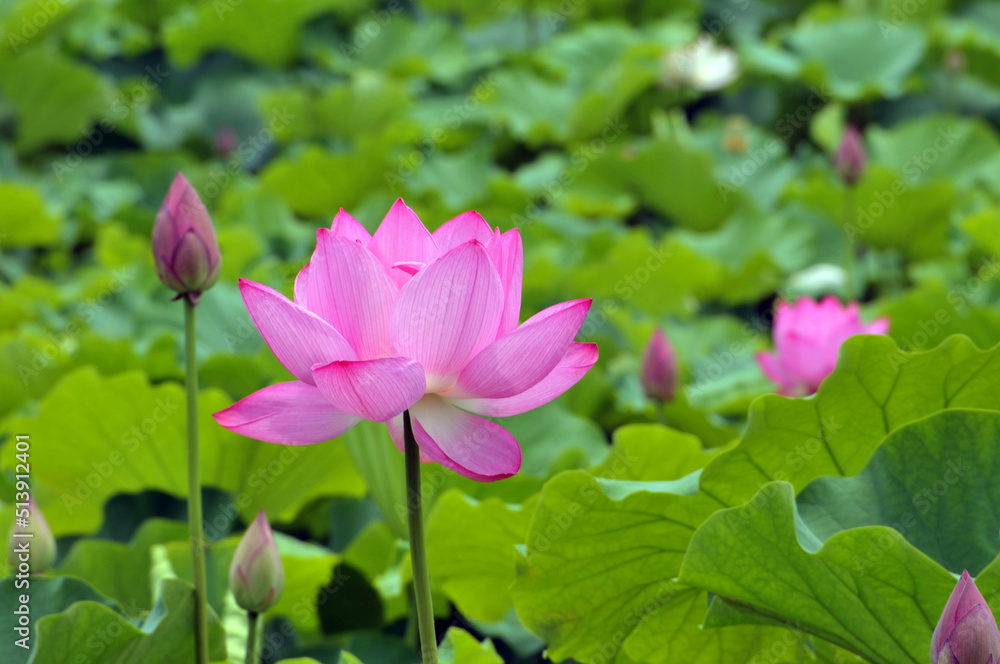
967 632
32 546
226 141
256 576
659 368
851 157
184 245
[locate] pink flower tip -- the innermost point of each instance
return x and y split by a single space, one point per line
807 339
658 372
851 156
185 249
967 631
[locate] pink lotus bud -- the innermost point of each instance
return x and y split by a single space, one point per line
32 546
226 141
807 338
659 368
967 632
256 576
184 245
851 157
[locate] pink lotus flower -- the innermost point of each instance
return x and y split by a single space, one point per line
967 632
659 368
807 337
409 320
184 245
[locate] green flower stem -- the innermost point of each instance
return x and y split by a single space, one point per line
418 553
850 260
252 620
194 489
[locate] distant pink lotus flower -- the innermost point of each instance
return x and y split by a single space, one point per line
406 319
967 632
658 370
807 337
851 156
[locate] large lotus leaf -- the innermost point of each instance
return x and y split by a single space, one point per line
679 180
938 146
597 575
121 570
460 647
262 31
768 560
470 551
923 316
858 58
634 534
47 596
119 434
55 99
932 480
875 389
91 630
24 220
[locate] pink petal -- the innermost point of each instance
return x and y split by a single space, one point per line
402 238
409 267
290 413
573 366
770 364
511 269
877 326
376 390
974 636
301 286
466 226
471 446
512 364
296 336
350 228
351 290
447 313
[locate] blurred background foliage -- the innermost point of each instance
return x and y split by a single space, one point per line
670 203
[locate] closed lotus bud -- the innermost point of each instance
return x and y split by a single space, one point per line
967 632
226 141
256 576
32 546
851 157
184 245
659 368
